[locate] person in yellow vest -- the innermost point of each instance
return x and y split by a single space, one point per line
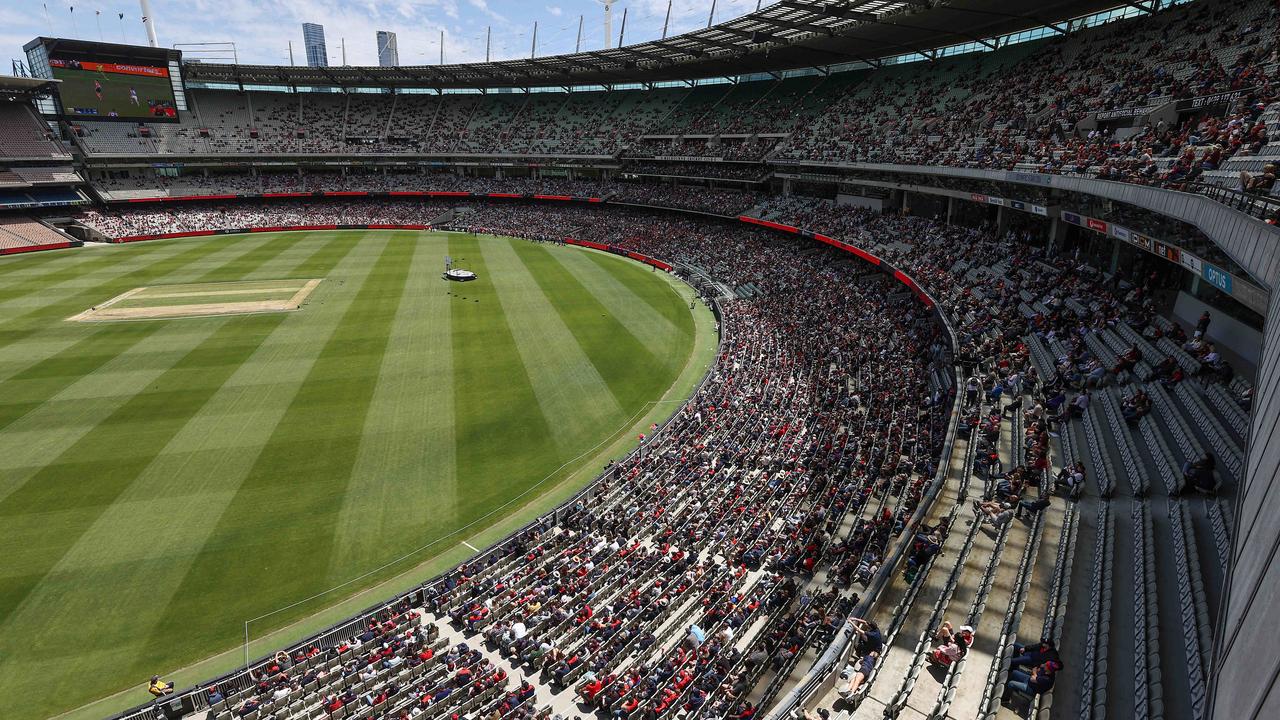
159 688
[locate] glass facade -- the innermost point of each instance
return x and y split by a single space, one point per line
38 66
313 40
388 51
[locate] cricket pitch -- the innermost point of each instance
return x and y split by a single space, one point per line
160 302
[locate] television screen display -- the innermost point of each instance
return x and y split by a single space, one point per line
92 89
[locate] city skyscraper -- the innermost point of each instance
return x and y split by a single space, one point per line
388 52
313 40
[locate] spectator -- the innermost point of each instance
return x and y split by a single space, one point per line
995 514
868 637
951 646
1199 475
158 687
858 674
1036 682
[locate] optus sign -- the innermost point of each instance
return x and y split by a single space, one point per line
1216 277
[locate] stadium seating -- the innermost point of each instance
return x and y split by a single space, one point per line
1001 109
1188 419
35 175
24 135
717 201
17 233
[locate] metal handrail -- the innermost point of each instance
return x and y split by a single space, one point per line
1263 207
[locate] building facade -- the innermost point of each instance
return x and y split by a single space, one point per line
313 40
388 51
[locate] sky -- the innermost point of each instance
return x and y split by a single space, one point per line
261 29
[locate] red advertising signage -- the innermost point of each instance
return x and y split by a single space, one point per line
145 70
768 224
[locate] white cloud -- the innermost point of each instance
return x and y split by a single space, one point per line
555 10
483 7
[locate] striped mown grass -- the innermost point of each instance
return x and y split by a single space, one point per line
162 482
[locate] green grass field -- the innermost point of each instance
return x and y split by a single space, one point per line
162 482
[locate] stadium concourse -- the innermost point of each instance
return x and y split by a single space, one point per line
981 439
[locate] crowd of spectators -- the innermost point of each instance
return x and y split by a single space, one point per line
720 201
1029 107
394 667
730 171
1059 300
1020 110
153 220
1199 145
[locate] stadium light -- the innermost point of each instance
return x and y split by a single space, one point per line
608 22
149 22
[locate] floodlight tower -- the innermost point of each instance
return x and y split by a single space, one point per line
608 22
149 21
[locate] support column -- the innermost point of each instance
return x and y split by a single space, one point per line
1057 235
951 208
1002 221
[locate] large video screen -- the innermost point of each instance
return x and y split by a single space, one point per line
91 89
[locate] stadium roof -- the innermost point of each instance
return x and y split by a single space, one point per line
11 85
787 35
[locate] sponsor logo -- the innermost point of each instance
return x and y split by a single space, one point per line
1168 252
1217 277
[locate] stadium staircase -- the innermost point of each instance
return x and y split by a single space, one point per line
986 585
1141 537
